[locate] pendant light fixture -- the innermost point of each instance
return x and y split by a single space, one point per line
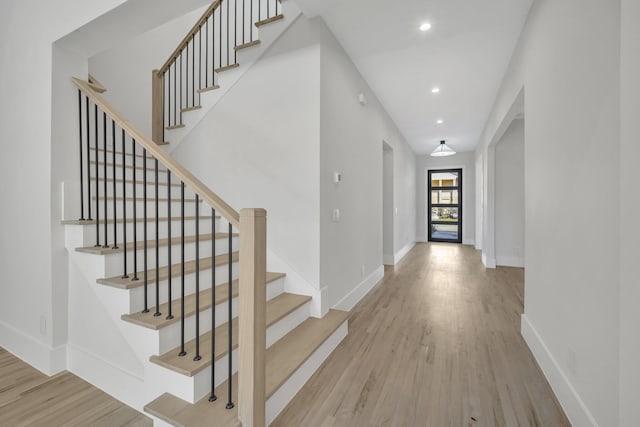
443 150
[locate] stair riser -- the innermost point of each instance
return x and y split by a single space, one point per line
115 262
137 294
162 190
192 389
163 208
189 225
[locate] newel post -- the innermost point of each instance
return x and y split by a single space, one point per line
252 318
157 110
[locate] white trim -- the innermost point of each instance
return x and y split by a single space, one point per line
361 290
510 261
488 262
402 252
47 359
569 399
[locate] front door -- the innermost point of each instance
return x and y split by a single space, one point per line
445 205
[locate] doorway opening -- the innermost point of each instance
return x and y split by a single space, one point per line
445 205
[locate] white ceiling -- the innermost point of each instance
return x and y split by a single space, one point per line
465 54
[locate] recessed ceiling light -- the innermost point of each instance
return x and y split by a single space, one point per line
425 27
435 90
439 121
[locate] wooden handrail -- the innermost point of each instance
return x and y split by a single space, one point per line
185 41
193 183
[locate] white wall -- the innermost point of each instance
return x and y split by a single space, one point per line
465 161
27 32
569 69
509 197
259 147
629 213
351 139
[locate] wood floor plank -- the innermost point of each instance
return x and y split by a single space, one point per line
31 398
437 343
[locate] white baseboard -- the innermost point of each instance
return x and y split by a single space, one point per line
574 407
361 290
402 252
509 261
488 262
47 359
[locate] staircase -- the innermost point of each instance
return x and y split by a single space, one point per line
171 308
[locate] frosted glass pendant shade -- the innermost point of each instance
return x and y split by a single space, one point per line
443 150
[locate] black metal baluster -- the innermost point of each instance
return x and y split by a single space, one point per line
206 55
193 67
97 172
169 93
197 356
113 172
81 157
199 59
268 11
213 397
213 48
186 89
124 207
235 30
182 352
243 21
251 21
227 33
230 315
157 202
259 10
220 34
175 98
104 177
144 232
88 157
135 214
170 315
181 79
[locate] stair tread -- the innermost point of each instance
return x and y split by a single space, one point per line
130 220
150 199
247 45
151 244
148 320
119 153
176 269
128 166
282 360
140 182
193 108
208 89
226 68
269 20
178 126
277 308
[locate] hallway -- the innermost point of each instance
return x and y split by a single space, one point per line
437 343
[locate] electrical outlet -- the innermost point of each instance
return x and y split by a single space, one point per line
336 215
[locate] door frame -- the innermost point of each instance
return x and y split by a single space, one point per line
460 204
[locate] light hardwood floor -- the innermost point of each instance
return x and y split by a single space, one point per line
437 343
30 398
